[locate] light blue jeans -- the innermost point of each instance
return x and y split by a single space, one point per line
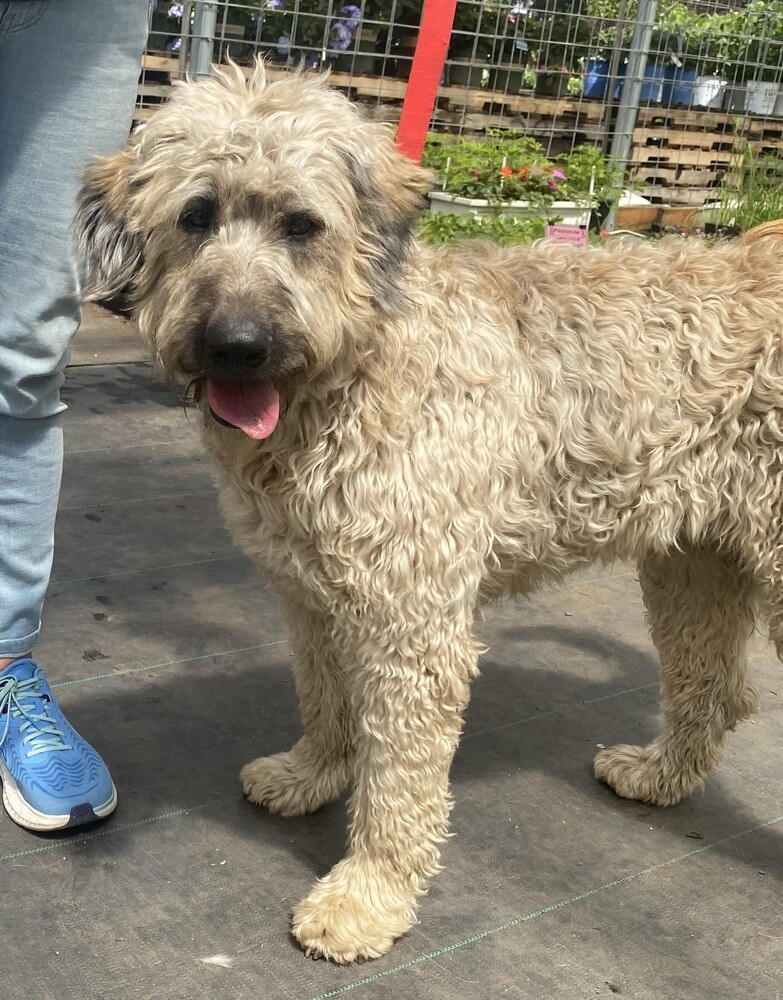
68 74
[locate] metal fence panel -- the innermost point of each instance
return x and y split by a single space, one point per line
689 104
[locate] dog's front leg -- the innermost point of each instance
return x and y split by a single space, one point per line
318 767
408 686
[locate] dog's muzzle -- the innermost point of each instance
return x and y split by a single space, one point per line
236 346
235 352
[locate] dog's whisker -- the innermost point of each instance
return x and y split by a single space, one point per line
192 393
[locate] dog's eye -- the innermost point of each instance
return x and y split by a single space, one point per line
300 226
198 218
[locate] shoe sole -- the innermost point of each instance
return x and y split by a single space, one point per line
23 814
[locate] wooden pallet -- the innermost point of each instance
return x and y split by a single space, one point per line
677 156
456 105
684 119
678 197
158 71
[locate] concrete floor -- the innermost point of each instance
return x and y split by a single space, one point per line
167 651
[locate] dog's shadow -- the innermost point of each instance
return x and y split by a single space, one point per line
176 744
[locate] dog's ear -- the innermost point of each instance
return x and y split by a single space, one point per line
391 191
109 255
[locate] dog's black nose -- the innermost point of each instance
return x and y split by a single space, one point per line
236 343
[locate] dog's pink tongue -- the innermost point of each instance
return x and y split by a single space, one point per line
253 407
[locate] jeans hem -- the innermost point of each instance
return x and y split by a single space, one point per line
16 647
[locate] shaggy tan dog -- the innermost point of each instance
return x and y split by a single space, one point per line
404 431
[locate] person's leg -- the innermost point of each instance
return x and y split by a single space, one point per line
29 485
68 73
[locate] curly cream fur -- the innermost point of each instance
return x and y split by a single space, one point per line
459 423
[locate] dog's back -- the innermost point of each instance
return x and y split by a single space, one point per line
633 375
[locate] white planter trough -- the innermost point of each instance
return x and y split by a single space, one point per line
760 97
711 212
571 213
709 91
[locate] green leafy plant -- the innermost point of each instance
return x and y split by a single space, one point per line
716 42
763 32
474 34
722 41
752 192
507 230
557 39
509 166
587 166
504 167
603 24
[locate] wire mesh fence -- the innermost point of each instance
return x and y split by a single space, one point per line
686 98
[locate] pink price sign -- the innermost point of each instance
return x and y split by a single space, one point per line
567 234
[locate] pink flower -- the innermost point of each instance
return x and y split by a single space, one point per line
560 175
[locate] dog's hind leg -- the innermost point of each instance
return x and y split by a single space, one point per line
318 767
701 611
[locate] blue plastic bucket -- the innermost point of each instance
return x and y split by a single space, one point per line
679 83
596 77
652 84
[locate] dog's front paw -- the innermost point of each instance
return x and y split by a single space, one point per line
349 917
642 773
288 784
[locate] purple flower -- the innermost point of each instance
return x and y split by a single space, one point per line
274 4
552 183
174 45
560 175
176 10
341 36
351 16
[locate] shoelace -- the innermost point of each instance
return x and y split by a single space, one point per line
41 732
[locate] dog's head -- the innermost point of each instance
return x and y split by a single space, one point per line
257 230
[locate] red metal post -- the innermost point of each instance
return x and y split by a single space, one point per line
437 20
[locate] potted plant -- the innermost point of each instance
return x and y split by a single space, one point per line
327 34
719 39
508 174
468 62
558 81
507 230
554 42
590 175
765 54
678 38
508 44
166 25
749 194
601 27
595 77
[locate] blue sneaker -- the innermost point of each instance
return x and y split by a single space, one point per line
51 777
